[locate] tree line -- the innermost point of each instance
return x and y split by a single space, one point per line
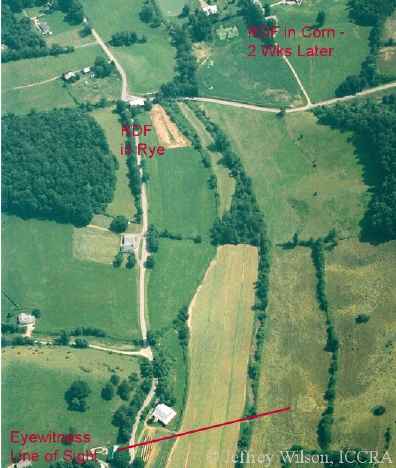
56 165
127 38
374 127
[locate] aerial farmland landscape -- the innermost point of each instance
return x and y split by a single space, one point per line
198 233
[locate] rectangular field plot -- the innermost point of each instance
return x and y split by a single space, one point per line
294 364
361 280
70 290
221 328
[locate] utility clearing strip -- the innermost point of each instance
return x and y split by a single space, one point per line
207 428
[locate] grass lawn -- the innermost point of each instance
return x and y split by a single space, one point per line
322 75
64 33
41 98
180 199
294 363
226 71
387 61
172 7
36 379
221 327
279 156
23 72
361 280
40 271
123 203
147 65
225 183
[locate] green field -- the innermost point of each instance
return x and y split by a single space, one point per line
294 363
36 379
279 156
221 328
147 65
322 75
387 61
361 280
39 270
122 203
172 7
24 72
63 33
226 71
225 183
41 98
180 200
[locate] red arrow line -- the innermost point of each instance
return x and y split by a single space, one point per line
207 428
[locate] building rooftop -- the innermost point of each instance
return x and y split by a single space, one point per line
164 413
25 319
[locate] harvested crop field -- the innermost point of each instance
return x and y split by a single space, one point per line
221 329
167 132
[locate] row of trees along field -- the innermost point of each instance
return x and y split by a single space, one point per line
374 127
56 165
368 13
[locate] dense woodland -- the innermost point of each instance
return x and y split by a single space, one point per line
56 165
374 127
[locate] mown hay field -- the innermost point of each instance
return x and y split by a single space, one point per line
361 279
294 364
221 328
37 378
40 270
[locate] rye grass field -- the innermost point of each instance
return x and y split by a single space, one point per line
47 372
322 75
226 71
361 280
70 292
294 363
221 328
307 177
141 62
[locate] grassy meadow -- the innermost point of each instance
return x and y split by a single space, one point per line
147 65
122 203
226 71
322 75
24 72
225 183
221 327
180 200
294 363
47 372
361 280
280 156
40 270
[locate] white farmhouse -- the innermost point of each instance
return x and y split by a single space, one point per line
164 414
210 9
25 319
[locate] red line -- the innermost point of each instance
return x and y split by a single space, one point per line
207 428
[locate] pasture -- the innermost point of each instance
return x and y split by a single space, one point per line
307 177
221 328
122 203
41 98
24 72
361 280
69 291
42 375
172 8
179 197
226 71
147 65
294 364
225 183
322 75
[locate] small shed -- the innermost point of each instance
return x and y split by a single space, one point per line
164 414
128 243
68 75
210 9
25 319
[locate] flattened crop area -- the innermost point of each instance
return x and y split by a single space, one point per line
167 132
221 321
